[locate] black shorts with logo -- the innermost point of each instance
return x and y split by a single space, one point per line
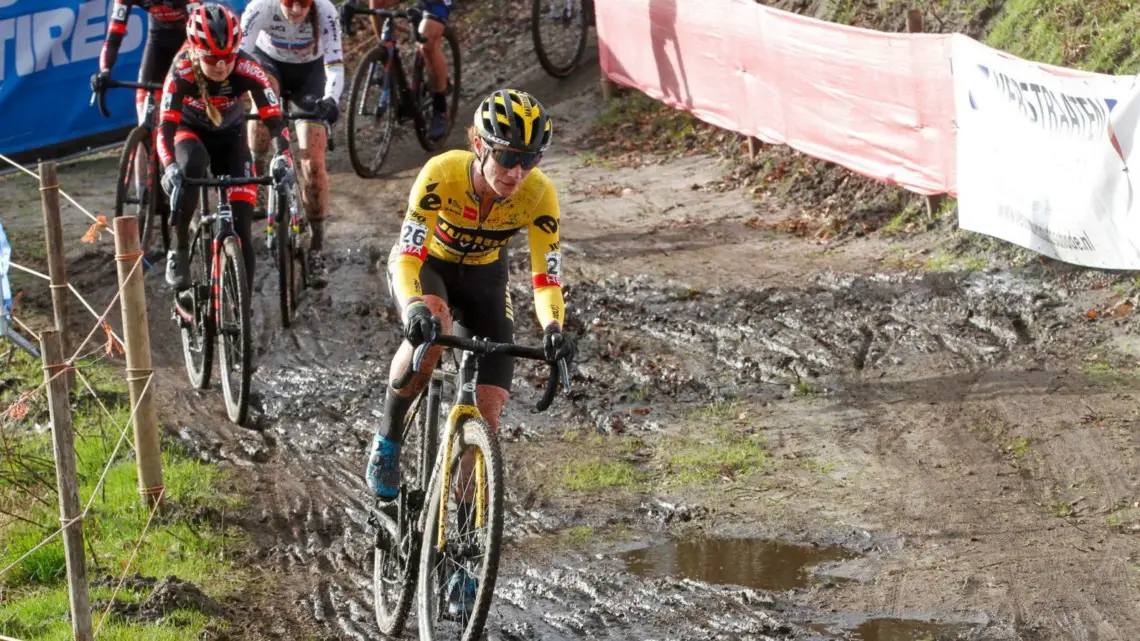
302 82
480 303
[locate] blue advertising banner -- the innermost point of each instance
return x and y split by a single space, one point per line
50 49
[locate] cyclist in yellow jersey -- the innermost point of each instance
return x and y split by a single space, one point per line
462 211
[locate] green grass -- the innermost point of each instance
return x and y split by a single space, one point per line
1109 374
185 540
943 261
596 474
716 454
1095 35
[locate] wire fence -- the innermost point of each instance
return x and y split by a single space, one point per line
99 344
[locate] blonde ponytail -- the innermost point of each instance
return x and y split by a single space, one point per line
203 90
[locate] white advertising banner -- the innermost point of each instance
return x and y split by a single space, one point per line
1043 157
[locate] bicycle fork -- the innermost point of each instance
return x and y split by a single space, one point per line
465 407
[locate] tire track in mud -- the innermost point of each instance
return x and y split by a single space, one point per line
312 495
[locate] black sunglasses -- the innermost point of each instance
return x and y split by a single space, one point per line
509 158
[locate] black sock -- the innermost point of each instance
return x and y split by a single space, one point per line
317 241
395 409
439 101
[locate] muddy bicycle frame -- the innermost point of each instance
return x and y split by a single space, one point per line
411 525
474 349
223 217
405 96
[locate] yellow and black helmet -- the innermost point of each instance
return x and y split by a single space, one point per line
514 119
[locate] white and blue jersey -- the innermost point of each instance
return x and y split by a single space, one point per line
266 28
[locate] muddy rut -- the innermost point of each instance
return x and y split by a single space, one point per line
909 390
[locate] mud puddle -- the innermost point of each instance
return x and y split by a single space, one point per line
895 629
764 564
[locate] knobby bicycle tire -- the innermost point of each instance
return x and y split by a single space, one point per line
536 11
454 78
202 329
357 148
139 138
284 258
471 433
234 283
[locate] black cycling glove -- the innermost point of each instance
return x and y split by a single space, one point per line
417 323
557 345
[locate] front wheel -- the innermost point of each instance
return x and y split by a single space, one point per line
559 29
372 107
449 47
458 568
234 331
287 277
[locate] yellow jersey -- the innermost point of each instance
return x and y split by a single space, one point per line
443 222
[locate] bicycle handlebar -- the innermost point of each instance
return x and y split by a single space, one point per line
348 11
301 115
481 346
220 181
100 97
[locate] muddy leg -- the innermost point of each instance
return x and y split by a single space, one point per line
312 138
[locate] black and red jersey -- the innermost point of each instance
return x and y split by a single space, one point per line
168 20
184 105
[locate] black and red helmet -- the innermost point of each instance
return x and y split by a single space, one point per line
214 29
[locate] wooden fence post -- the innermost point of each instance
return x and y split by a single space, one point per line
57 264
608 87
914 24
754 147
136 335
63 444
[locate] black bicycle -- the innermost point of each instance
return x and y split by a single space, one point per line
216 305
559 29
137 190
288 243
451 549
383 95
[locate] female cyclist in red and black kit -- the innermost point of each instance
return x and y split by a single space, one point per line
203 120
165 36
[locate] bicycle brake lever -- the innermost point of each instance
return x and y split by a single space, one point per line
564 372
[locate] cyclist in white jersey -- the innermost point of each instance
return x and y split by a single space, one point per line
298 42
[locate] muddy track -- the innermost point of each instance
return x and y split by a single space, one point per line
938 426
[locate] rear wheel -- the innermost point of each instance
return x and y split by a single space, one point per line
396 553
234 331
372 107
449 47
559 29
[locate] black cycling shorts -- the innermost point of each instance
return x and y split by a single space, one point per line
480 305
162 44
303 83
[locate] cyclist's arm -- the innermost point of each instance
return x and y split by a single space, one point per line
253 20
116 30
174 89
265 100
416 235
332 52
546 261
